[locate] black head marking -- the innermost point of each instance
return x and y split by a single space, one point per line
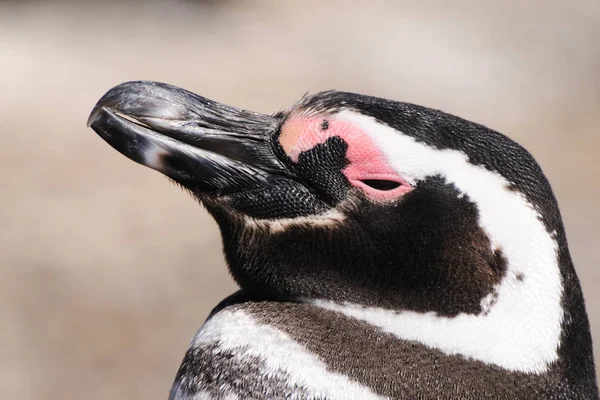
361 260
318 186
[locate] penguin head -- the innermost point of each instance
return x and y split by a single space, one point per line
430 227
349 198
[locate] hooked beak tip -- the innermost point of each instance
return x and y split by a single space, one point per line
93 116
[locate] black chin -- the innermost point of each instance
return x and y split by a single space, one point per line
426 253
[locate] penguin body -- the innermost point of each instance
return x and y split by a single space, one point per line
383 250
282 350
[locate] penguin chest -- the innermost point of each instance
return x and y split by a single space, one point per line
267 350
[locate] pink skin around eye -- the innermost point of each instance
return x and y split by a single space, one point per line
300 134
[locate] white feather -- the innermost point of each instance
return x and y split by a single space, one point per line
236 330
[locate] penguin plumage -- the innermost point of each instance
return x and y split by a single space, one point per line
383 250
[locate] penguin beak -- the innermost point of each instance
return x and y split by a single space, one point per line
203 145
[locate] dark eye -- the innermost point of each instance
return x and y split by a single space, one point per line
380 184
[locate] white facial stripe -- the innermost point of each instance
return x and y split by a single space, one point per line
238 331
521 330
201 395
328 219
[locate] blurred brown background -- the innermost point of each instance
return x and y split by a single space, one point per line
107 270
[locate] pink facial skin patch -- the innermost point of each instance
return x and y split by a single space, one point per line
367 162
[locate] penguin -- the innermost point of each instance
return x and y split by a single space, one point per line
383 250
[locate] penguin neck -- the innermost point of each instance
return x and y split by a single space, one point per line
520 326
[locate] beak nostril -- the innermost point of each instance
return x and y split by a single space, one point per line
381 184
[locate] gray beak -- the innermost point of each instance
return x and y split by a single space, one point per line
199 143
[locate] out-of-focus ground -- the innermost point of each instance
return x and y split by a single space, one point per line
107 269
